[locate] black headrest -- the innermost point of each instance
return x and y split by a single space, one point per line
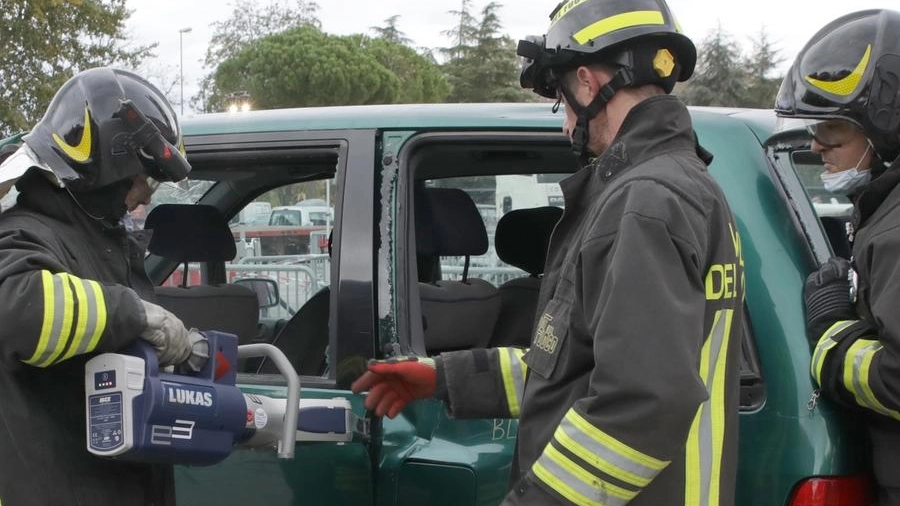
523 235
448 223
190 233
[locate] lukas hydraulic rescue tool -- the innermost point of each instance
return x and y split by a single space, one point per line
137 412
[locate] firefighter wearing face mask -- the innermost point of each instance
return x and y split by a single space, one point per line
73 284
640 310
846 84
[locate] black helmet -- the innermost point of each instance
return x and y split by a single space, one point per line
850 70
105 125
639 35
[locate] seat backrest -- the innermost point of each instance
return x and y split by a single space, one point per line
199 233
192 233
456 314
227 308
521 240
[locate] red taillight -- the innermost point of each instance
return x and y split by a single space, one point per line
857 490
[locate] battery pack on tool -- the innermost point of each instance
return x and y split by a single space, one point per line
136 412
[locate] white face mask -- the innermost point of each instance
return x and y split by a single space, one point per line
848 180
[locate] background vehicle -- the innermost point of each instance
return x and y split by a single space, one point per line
298 215
254 213
531 190
381 163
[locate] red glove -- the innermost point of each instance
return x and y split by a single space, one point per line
394 382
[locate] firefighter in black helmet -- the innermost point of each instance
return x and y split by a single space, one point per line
845 84
73 284
639 40
633 325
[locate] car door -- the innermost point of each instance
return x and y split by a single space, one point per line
240 168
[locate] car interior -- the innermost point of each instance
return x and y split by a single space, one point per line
474 258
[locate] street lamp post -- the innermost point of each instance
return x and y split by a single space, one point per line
181 62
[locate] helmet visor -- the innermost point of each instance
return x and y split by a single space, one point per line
833 133
541 67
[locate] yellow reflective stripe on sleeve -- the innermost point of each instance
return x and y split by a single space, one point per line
602 457
618 22
584 439
57 320
580 487
857 364
47 325
512 370
81 324
703 455
74 318
825 344
88 330
613 444
65 318
100 305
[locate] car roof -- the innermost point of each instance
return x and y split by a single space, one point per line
533 115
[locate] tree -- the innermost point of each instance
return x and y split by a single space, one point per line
421 80
303 66
482 65
724 77
390 32
250 20
719 78
463 34
47 41
761 88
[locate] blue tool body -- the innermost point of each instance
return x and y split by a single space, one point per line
136 412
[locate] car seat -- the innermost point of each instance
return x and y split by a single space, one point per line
456 314
521 240
199 233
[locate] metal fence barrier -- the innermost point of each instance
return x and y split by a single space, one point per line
299 277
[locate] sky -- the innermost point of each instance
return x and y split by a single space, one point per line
788 24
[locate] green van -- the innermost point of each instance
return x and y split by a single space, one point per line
366 287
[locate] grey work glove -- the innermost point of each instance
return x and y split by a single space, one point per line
167 334
199 352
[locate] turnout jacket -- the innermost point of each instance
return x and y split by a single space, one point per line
628 393
69 289
858 362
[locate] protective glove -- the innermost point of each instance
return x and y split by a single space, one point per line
167 334
394 382
199 352
827 297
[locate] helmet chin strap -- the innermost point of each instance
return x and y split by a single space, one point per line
104 205
581 135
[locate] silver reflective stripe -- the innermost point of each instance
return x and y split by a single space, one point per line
87 317
602 457
856 378
575 484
